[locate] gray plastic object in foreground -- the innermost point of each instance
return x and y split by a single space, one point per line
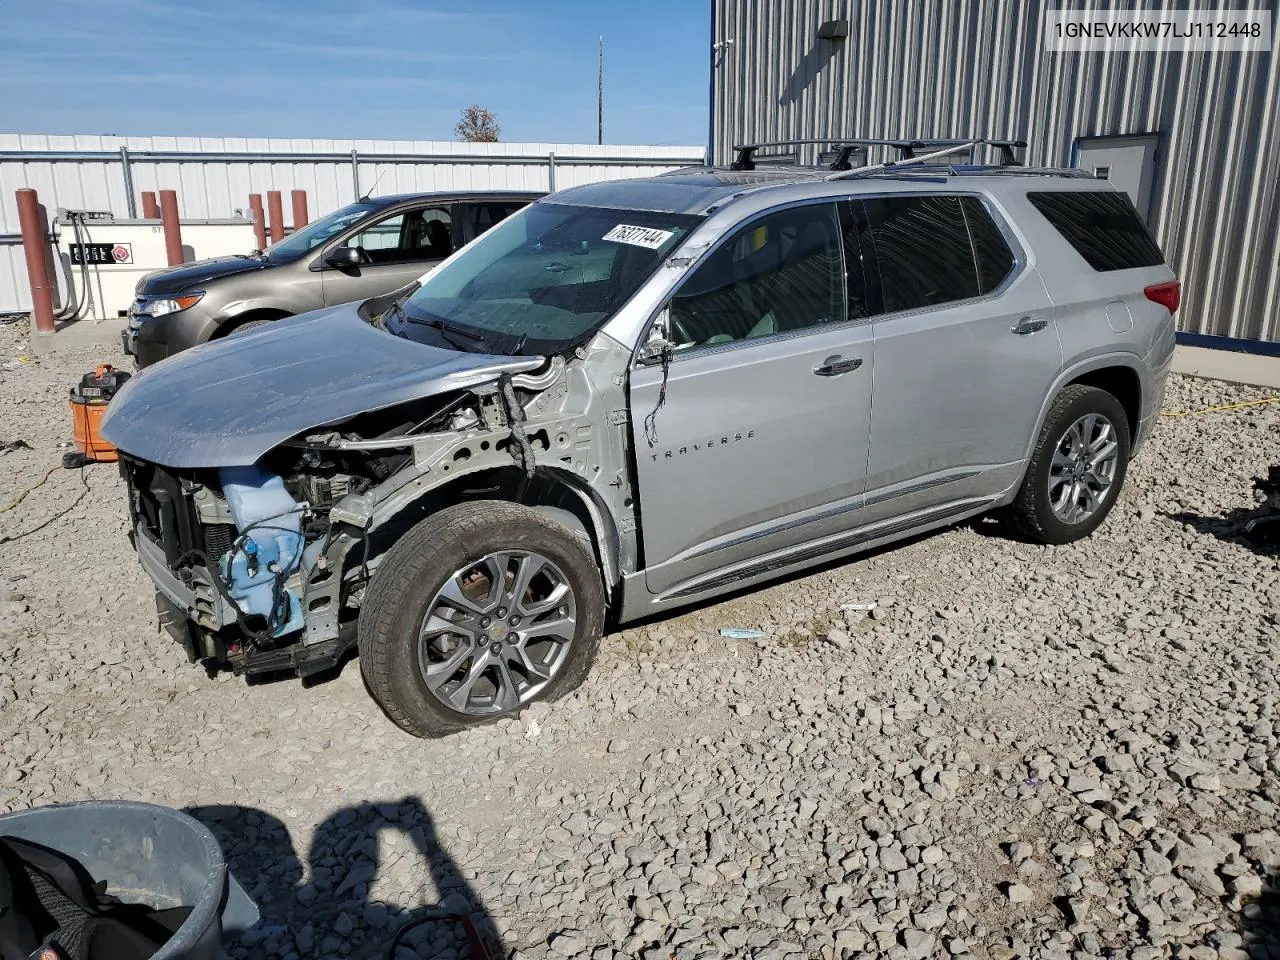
147 854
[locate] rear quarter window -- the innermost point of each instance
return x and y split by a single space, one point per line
1102 226
995 259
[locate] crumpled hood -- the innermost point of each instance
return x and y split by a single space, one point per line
188 275
226 403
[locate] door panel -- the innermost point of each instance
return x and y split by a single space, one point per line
363 282
963 365
957 396
754 451
760 441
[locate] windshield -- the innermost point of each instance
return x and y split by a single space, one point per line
313 234
541 281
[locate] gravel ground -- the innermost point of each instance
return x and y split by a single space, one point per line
1022 752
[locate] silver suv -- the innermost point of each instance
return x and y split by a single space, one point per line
635 395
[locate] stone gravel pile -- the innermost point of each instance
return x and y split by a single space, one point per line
1020 751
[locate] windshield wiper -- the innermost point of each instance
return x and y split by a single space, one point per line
444 327
395 306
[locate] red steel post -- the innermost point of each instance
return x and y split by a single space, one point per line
172 228
259 220
299 209
276 215
35 244
150 208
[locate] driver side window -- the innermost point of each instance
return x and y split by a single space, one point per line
406 237
780 273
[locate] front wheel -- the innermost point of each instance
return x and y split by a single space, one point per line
1077 468
478 611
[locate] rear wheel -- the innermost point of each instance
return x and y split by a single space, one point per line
1077 469
477 612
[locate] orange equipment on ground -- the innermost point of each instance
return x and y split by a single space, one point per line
89 399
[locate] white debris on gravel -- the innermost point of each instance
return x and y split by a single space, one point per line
1019 752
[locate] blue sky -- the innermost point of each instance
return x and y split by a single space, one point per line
397 69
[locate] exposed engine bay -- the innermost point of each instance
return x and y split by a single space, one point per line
262 567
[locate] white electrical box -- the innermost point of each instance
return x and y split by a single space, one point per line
101 260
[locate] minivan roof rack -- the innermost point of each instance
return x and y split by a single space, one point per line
745 158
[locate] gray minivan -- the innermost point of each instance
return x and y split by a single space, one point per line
367 248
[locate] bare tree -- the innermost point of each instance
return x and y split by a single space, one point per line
477 125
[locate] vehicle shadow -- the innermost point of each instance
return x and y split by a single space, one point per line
324 906
1263 540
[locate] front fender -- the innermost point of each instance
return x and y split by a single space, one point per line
232 313
393 500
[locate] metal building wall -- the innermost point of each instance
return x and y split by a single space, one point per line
214 188
946 68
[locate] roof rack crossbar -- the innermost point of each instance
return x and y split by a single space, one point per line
745 159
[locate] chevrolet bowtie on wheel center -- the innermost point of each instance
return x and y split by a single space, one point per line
631 396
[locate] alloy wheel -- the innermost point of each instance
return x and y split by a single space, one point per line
1083 468
497 633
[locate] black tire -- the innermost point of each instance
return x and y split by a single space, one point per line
1031 514
418 566
250 324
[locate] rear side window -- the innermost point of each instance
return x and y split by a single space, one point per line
472 219
923 249
995 259
1102 226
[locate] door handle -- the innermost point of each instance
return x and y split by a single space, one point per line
835 365
1029 325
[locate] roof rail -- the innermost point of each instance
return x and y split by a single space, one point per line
941 171
745 158
908 156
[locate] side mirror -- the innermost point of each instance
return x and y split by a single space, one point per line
343 257
657 346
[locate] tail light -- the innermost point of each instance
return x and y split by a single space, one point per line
1168 295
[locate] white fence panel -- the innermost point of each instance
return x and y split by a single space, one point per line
214 176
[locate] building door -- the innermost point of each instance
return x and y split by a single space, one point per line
1128 162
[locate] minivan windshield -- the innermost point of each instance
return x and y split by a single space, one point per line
298 243
542 281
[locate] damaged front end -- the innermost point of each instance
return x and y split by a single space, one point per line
262 566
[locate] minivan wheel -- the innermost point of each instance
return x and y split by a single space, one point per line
476 612
1077 469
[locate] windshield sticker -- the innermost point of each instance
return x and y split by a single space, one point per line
649 237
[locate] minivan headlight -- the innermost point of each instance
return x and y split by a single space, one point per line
160 306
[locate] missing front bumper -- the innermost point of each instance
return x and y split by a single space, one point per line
228 648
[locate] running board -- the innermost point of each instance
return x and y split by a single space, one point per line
845 541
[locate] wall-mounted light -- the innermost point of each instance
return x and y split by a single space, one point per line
834 30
